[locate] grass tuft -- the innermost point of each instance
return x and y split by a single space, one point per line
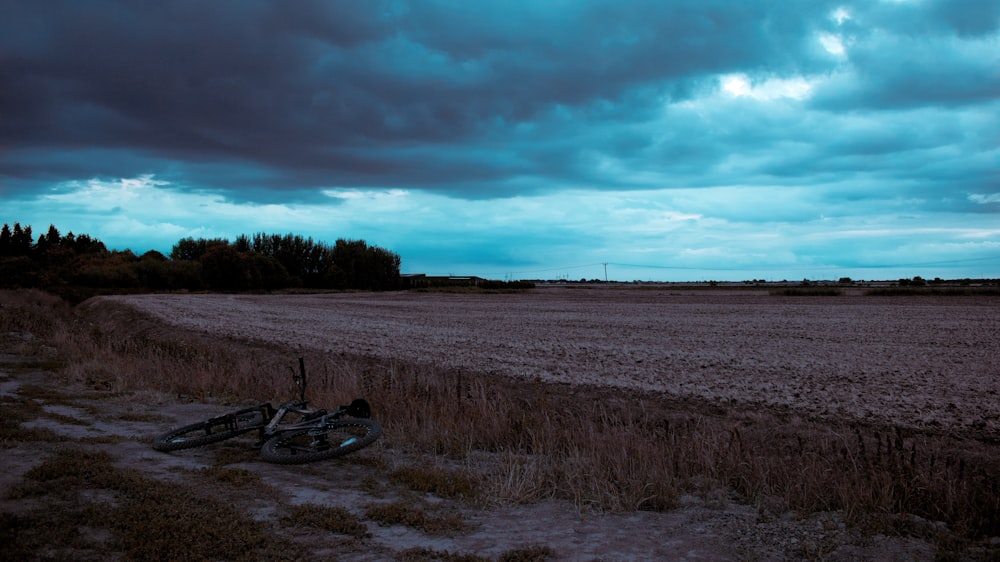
334 519
422 554
239 477
233 453
437 481
147 519
416 516
530 554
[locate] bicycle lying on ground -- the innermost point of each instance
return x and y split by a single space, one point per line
317 434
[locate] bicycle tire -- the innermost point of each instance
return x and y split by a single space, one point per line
310 444
209 431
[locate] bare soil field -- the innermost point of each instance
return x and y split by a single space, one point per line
922 362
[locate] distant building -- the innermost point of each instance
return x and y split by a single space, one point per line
420 280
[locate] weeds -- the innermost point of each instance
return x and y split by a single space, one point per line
11 436
334 519
142 417
146 519
530 554
232 453
15 411
239 477
46 394
437 481
416 515
421 554
102 439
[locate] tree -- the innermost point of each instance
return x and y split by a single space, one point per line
191 249
48 240
384 269
84 244
20 240
153 255
262 262
359 266
5 241
224 268
106 270
305 261
268 273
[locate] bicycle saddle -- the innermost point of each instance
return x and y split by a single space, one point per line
359 408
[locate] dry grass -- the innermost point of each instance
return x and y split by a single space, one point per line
530 554
238 477
14 412
519 442
418 515
234 451
147 519
420 554
334 519
440 482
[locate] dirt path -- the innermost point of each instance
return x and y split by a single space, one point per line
63 417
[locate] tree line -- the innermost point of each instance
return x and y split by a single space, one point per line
81 264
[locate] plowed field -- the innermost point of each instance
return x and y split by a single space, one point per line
931 362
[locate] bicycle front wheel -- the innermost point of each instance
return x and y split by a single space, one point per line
210 431
310 444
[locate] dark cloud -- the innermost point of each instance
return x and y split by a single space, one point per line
966 18
477 99
894 72
335 92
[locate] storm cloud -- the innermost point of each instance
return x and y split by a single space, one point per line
871 108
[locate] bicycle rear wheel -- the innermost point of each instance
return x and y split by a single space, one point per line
310 444
210 431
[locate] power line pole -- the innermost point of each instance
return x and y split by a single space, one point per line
605 272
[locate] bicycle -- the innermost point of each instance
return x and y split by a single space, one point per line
317 435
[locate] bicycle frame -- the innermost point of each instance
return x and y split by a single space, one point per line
269 421
357 408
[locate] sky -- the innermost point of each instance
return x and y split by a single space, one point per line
682 140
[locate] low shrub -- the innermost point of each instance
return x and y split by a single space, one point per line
934 291
807 292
